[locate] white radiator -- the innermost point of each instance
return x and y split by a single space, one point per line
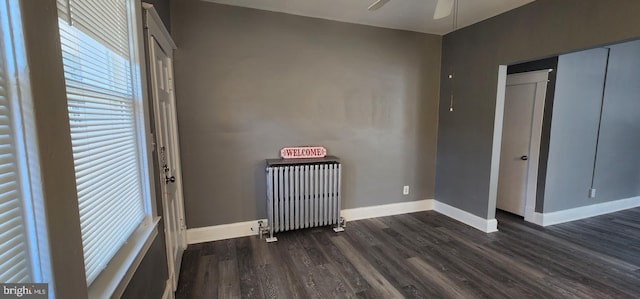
303 195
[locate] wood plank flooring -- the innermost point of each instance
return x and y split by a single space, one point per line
424 255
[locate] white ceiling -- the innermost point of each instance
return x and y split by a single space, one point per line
413 15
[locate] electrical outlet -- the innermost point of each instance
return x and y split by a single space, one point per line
405 190
592 193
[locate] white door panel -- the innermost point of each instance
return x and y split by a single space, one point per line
168 156
516 132
520 127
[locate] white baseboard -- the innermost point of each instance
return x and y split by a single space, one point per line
535 219
387 210
485 225
546 219
249 228
222 232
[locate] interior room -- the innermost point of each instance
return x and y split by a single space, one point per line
290 149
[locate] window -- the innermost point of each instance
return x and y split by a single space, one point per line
21 232
15 262
104 100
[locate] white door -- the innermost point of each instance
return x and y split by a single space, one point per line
523 109
168 156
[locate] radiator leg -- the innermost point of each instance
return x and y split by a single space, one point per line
263 229
340 226
271 238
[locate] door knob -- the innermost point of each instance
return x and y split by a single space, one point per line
168 180
524 158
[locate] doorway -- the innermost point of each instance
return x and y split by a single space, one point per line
524 100
169 175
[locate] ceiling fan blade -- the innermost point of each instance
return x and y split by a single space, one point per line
377 4
443 9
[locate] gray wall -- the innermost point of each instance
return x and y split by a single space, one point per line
589 130
150 278
574 128
617 173
541 29
250 82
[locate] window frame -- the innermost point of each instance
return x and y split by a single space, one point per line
26 143
113 280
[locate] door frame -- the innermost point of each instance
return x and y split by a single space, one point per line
156 32
542 78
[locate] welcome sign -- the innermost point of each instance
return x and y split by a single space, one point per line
303 152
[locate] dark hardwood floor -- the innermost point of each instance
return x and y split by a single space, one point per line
424 255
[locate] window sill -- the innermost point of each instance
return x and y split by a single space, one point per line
115 278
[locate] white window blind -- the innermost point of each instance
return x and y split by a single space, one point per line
101 95
14 250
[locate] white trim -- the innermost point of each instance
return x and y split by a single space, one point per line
113 280
158 36
546 219
496 147
535 219
168 290
145 140
222 232
387 210
485 225
156 26
250 228
25 142
540 78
